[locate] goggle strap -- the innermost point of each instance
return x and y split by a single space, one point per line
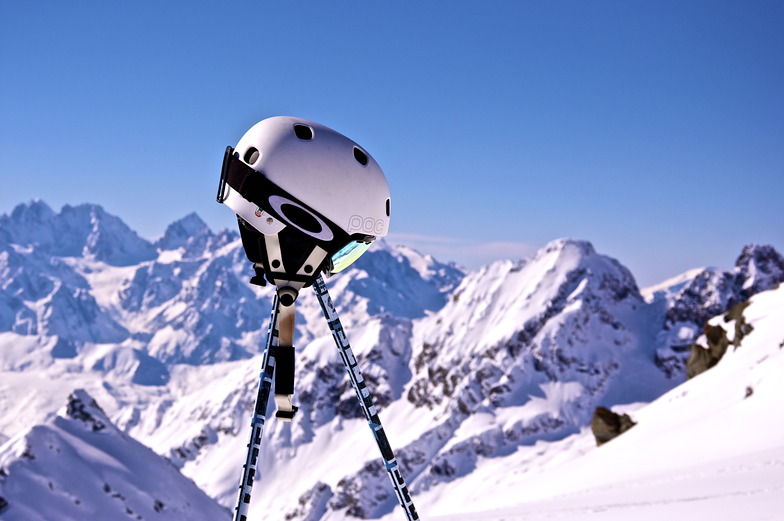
242 178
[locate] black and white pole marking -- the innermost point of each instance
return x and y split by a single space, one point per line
249 470
365 400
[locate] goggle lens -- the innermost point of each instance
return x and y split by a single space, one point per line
347 255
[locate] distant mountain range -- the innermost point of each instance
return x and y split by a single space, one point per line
465 366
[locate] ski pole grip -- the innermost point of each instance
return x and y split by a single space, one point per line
284 370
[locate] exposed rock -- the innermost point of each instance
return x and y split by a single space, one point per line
64 348
759 268
350 496
191 449
81 406
711 293
191 230
702 358
741 327
312 504
607 425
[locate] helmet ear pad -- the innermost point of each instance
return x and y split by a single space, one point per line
252 241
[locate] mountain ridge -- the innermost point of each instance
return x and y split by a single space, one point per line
463 365
113 473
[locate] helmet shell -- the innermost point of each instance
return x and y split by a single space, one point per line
322 168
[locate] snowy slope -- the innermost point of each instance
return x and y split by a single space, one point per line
712 447
78 466
564 331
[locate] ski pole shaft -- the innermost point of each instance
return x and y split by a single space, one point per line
249 470
365 400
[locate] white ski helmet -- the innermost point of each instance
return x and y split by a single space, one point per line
308 199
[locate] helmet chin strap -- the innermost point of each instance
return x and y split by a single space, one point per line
278 272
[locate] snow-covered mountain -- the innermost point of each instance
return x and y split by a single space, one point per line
704 293
85 231
77 466
466 367
713 447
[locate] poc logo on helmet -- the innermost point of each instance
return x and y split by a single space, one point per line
357 223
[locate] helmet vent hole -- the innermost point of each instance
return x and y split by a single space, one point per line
303 132
388 207
251 155
360 156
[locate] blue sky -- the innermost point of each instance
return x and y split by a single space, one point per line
653 129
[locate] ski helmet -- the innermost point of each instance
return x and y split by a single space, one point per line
307 198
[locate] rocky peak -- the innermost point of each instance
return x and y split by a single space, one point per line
83 408
564 270
180 233
561 315
713 292
86 230
78 463
27 219
584 248
109 239
36 211
395 279
758 268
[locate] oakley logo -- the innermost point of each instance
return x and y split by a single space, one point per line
301 218
357 223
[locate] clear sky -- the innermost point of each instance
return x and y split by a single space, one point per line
653 129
